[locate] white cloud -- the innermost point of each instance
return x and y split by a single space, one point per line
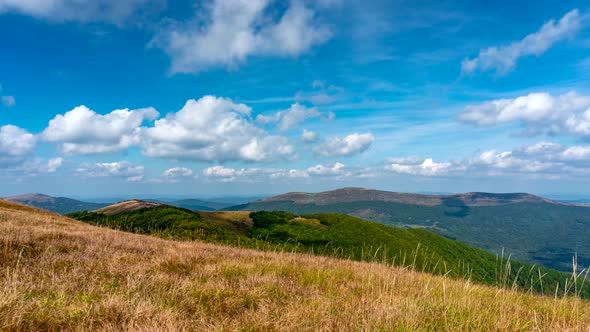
8 101
83 131
541 112
412 160
309 136
543 159
334 169
233 30
37 166
289 118
503 59
289 173
213 129
344 146
53 165
113 11
123 169
177 172
15 144
224 174
424 167
546 159
137 178
577 153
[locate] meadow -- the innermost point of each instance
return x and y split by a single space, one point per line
60 274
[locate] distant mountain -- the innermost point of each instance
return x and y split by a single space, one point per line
533 229
577 201
60 205
200 204
347 195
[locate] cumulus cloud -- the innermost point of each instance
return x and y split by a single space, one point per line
213 129
336 170
83 131
120 169
38 166
344 146
322 170
289 118
177 172
503 59
568 113
112 11
15 144
8 101
543 159
423 167
309 136
53 165
233 30
224 174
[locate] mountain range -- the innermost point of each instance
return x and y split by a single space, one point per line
64 205
532 229
61 205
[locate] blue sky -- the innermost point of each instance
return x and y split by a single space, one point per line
209 98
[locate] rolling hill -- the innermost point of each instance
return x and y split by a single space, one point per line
60 274
126 206
194 204
333 235
531 228
60 205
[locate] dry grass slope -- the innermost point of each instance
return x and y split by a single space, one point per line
125 206
60 274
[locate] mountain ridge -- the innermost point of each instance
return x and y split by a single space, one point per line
534 229
127 206
61 205
352 194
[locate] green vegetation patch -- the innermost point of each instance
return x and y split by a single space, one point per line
341 236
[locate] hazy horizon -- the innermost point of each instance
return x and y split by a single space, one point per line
251 197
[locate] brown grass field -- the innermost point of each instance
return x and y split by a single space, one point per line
60 274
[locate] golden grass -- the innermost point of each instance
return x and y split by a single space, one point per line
125 206
59 274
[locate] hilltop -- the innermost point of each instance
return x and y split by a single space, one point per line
126 206
533 229
135 282
62 205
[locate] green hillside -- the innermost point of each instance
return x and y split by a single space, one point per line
339 236
538 233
